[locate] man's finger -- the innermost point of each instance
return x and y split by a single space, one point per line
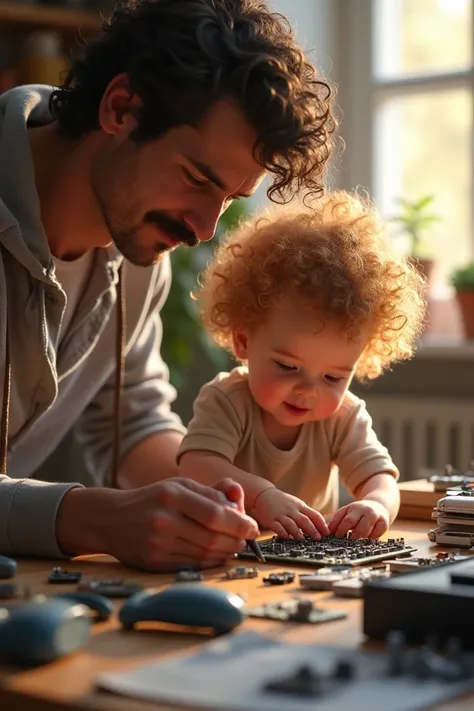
216 517
232 491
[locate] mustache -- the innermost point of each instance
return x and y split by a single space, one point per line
176 230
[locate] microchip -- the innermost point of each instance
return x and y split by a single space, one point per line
110 588
58 575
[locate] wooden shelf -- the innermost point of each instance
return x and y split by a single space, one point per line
59 18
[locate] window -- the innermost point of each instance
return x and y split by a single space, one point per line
407 98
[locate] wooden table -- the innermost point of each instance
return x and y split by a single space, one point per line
69 683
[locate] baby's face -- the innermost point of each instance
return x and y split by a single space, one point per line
299 366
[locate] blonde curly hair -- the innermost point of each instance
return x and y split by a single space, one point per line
333 256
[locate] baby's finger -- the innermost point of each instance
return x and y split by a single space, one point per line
292 528
279 529
364 527
379 529
317 519
348 523
307 526
337 518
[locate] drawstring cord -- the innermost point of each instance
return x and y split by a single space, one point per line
119 378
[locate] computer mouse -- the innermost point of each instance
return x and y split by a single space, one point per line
8 567
101 605
194 605
42 630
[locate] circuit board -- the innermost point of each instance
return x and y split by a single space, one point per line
329 550
295 610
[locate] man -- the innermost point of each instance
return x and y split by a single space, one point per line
180 107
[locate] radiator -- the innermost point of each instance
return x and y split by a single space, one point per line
424 433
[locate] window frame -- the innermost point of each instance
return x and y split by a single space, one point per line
360 92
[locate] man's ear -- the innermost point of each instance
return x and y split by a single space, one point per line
240 339
118 106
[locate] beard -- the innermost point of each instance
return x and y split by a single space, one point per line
130 245
138 236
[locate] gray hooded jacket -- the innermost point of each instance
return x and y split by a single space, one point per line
54 388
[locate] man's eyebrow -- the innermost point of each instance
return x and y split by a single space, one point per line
212 176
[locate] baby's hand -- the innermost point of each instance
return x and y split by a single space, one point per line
288 516
366 519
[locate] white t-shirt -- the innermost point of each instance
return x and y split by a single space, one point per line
73 276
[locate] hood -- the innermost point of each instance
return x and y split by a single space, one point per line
21 229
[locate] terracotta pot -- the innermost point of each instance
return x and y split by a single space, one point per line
426 268
465 300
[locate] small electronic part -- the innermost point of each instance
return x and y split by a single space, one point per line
282 578
9 591
307 681
110 588
443 536
330 550
452 478
324 578
354 585
188 575
241 572
295 610
59 575
411 564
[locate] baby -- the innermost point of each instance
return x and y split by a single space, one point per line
306 299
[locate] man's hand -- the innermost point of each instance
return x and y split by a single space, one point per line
288 515
161 527
366 519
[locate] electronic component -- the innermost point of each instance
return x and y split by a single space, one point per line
353 586
59 575
329 550
241 572
407 565
421 603
188 575
9 591
295 610
110 588
450 477
324 578
282 578
444 536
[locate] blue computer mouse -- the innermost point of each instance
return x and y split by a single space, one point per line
101 605
8 567
193 605
42 629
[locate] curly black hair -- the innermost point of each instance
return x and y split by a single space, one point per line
183 55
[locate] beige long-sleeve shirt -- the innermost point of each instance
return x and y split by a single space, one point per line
227 421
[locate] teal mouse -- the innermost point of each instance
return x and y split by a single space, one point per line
192 605
8 567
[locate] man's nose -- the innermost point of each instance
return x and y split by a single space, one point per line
203 222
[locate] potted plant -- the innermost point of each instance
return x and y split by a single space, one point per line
415 217
182 330
462 280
